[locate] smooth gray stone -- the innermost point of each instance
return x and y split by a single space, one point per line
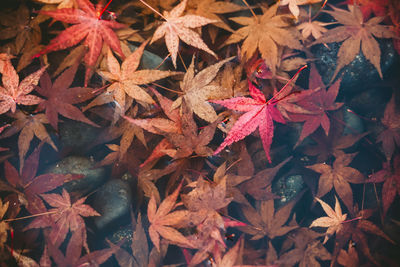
112 201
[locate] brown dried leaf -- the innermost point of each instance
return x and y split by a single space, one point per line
338 176
126 79
265 33
162 219
198 89
356 34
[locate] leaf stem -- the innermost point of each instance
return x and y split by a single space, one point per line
287 84
30 216
104 9
152 9
163 87
251 10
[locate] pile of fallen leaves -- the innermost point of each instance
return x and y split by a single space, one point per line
190 132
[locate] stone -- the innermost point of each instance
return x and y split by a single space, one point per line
287 187
76 137
94 177
113 202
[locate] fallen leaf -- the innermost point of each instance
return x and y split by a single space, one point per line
211 9
60 3
28 185
266 221
198 89
178 27
307 249
338 176
333 221
293 5
264 32
390 137
349 258
162 221
318 102
86 26
390 176
259 113
14 92
67 216
126 79
30 126
60 97
356 34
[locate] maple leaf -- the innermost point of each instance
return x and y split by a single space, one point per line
60 97
28 186
211 9
190 141
126 78
338 176
264 32
24 27
140 255
357 230
349 258
67 216
14 92
171 124
127 131
30 126
259 185
333 221
312 28
88 26
233 183
390 137
293 5
265 221
334 143
259 113
369 7
391 182
205 195
319 102
306 249
60 3
162 221
356 34
229 259
73 256
179 27
4 226
197 90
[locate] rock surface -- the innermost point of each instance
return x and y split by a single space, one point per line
94 177
113 202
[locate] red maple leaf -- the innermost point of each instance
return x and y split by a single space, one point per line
259 113
391 186
390 137
60 98
319 101
87 26
67 216
73 255
28 186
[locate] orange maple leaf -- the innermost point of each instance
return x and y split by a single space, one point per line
162 219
